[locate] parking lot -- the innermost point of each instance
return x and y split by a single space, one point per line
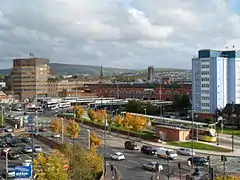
22 156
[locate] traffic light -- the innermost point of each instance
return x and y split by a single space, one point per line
223 158
179 165
208 157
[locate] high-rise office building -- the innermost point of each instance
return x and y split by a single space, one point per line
216 79
150 73
30 77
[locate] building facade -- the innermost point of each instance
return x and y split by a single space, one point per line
146 91
216 80
29 77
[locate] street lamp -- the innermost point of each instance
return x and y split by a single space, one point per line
192 134
62 130
145 111
89 135
6 164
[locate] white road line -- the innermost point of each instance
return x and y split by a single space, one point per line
1 177
135 162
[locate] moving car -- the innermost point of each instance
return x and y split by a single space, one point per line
148 150
27 162
131 145
167 153
3 144
37 149
12 143
56 135
13 156
8 129
27 149
153 166
198 161
118 156
42 129
26 140
186 152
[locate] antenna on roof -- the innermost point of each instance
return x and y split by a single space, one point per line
31 54
233 46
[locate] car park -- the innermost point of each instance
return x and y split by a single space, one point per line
27 149
117 156
198 161
148 150
131 145
153 166
37 149
186 152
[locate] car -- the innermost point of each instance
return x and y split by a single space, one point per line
56 135
148 150
26 140
37 149
27 149
131 145
4 151
27 162
198 161
13 143
186 152
42 129
9 172
3 144
13 156
117 156
8 129
153 166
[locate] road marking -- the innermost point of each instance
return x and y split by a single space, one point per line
133 161
26 155
2 177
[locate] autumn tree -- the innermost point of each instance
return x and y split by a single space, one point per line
127 122
53 166
118 121
73 129
101 115
139 123
92 116
95 141
56 125
227 177
79 112
110 122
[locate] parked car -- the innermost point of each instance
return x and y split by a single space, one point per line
3 144
148 150
13 143
131 145
42 129
13 156
56 135
117 156
8 129
26 140
198 161
27 149
27 162
152 166
37 149
186 152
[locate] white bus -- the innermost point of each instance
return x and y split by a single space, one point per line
64 104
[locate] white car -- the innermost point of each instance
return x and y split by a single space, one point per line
56 135
118 156
8 129
152 166
27 149
38 149
186 152
27 162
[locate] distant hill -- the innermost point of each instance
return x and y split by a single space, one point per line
60 69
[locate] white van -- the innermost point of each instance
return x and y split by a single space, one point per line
167 153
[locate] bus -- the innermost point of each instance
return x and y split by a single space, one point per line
198 130
64 104
109 104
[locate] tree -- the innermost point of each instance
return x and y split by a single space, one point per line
79 112
227 177
53 166
118 121
100 115
139 123
1 118
134 106
73 129
110 122
92 116
56 125
95 141
127 122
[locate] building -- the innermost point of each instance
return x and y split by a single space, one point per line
216 80
146 91
150 73
29 77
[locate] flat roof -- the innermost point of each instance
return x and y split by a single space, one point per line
170 119
170 127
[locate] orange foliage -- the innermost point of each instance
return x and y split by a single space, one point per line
95 141
118 121
73 129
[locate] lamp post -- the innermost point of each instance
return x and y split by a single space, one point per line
62 131
2 116
192 134
89 135
104 139
6 164
145 111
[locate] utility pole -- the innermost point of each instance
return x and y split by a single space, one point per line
104 139
232 142
192 133
2 116
62 130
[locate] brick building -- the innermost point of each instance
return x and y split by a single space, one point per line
146 91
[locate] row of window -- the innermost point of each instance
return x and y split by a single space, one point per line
205 66
205 92
205 85
205 105
205 98
205 60
205 79
205 73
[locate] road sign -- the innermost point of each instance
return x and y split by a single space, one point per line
30 121
23 171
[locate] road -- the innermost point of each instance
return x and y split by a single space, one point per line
22 155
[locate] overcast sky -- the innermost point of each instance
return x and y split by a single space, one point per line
115 33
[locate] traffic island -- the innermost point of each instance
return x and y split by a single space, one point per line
199 146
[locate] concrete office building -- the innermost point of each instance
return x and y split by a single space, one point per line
29 77
216 80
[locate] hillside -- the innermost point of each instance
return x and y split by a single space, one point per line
60 69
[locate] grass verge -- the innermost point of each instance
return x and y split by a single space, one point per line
198 145
229 131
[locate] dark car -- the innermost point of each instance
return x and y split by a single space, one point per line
148 150
13 156
13 143
3 144
131 145
26 140
198 161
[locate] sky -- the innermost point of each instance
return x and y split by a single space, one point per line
116 33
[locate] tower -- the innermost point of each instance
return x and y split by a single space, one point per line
101 71
150 73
